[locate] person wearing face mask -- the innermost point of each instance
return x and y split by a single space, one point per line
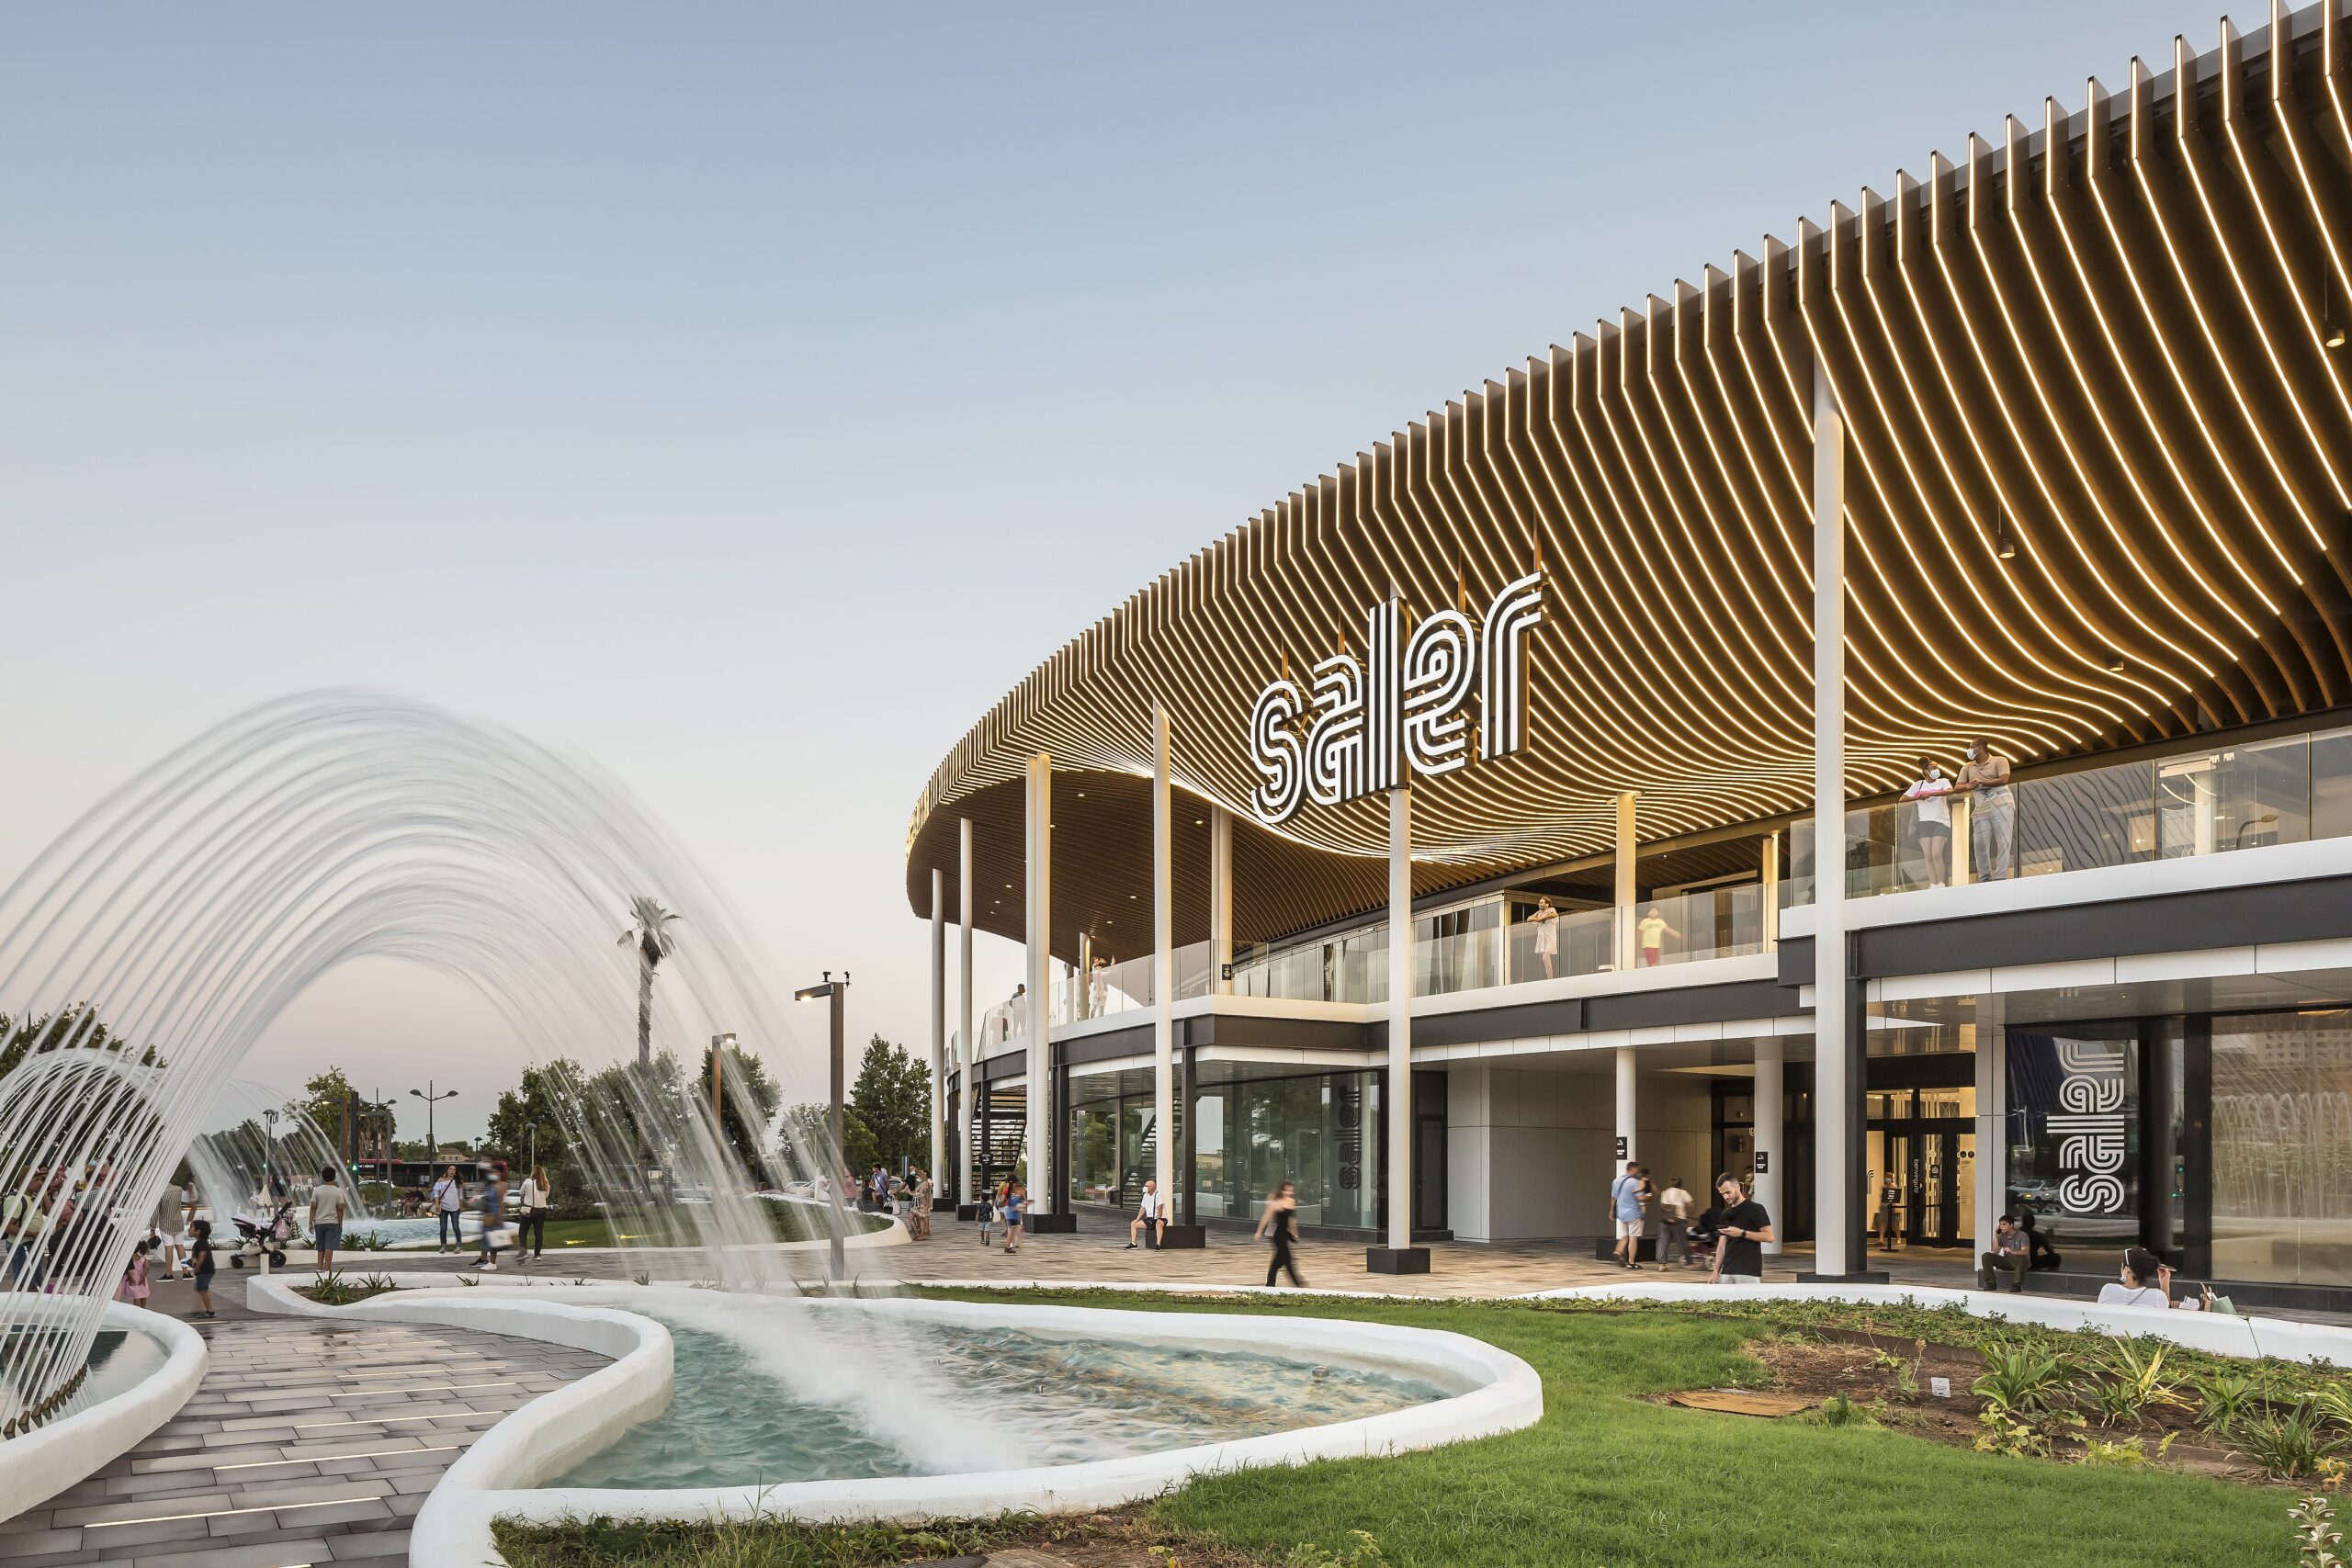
1933 823
2143 1282
1993 828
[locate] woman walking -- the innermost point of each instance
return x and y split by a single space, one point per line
200 1252
531 1206
1281 1221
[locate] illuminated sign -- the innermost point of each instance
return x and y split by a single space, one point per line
1403 705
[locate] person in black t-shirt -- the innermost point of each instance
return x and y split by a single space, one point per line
1740 1238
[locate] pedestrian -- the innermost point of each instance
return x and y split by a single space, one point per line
1546 921
1932 820
531 1206
2143 1281
1280 1222
1674 1222
1993 822
1147 1220
1740 1238
1626 1207
200 1252
494 1220
878 1187
1890 1211
133 1287
2011 1254
985 1211
1651 931
925 1194
1016 1203
448 1197
329 1204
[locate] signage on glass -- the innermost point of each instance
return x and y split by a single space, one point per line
1405 704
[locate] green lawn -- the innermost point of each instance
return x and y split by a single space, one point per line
1605 1477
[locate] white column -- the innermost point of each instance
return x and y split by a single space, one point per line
1833 1194
1621 933
1220 899
1038 976
1770 1094
938 1023
1163 956
1628 1112
1400 1018
1991 1173
970 1047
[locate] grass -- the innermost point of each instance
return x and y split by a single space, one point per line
1608 1477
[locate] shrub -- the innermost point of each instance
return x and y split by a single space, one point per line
2131 1382
2289 1446
2223 1400
2316 1536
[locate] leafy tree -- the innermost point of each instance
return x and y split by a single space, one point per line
531 1114
325 1100
893 1098
748 1096
648 932
811 1127
76 1028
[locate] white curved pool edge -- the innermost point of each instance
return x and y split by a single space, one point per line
2224 1334
37 1465
498 1475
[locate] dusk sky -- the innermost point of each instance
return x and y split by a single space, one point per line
747 396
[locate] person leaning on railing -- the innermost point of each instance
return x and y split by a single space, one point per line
1993 823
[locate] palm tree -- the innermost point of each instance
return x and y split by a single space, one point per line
649 932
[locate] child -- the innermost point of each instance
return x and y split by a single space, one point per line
200 1252
133 1287
1016 1200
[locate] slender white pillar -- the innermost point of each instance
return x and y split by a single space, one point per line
938 1023
1038 976
1770 1095
1621 931
1220 900
1834 1091
1768 874
967 1045
1400 1019
1629 1111
1991 1176
1163 956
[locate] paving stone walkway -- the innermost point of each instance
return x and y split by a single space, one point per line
308 1443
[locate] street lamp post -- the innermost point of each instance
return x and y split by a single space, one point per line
432 1144
836 991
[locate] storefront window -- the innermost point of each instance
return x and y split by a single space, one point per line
1320 1132
2282 1147
2074 1132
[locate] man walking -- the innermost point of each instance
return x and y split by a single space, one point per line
1739 1241
1625 1204
1674 1223
2010 1254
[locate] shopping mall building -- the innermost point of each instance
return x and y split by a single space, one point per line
1448 831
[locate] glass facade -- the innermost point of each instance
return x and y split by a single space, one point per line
1320 1130
2282 1147
2074 1130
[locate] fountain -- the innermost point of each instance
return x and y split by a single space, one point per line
158 938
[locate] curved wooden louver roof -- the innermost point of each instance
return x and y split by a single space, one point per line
2098 345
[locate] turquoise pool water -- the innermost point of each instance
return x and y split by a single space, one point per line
777 1396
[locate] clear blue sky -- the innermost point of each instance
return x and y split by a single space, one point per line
749 394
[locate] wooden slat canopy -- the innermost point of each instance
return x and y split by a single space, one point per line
2099 484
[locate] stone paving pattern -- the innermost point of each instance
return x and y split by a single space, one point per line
309 1442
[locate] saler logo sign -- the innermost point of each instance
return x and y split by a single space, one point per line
1401 705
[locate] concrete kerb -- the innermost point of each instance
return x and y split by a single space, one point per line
498 1476
43 1463
2224 1334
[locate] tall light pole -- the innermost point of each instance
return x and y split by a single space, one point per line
432 1144
837 991
719 1045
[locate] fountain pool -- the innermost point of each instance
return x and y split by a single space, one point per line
773 1390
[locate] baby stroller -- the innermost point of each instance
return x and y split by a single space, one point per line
254 1239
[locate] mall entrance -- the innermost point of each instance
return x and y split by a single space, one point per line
1919 1145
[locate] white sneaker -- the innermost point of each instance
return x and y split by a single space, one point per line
490 1267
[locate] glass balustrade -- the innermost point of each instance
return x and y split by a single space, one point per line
2291 790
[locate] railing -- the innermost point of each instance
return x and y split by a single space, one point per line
2287 791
